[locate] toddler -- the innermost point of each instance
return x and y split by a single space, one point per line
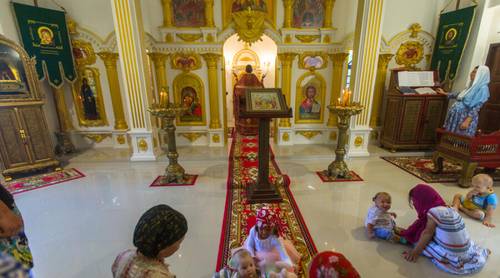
380 222
480 202
266 247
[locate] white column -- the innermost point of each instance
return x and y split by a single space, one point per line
129 30
367 38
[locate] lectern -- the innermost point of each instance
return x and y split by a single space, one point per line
264 104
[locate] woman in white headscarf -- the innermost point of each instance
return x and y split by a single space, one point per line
462 118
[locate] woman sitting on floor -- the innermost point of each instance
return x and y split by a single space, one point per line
439 234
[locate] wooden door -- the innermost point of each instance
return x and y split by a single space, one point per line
37 134
411 121
490 112
13 147
433 118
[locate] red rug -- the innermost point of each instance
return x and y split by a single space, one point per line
38 181
239 214
422 167
161 181
323 175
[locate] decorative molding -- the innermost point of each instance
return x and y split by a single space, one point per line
307 38
97 138
121 139
409 54
249 25
309 134
191 136
216 138
309 60
186 61
189 37
285 137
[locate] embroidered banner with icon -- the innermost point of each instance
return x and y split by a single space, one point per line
44 36
453 31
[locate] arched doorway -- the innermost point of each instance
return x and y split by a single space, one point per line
237 54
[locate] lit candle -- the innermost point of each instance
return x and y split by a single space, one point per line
163 98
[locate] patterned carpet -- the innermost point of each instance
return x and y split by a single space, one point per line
323 175
161 181
239 215
422 167
38 181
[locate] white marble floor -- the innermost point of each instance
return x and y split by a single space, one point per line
77 228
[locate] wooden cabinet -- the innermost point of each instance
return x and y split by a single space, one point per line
25 143
410 120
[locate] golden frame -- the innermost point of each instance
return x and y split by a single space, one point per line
190 80
319 82
323 55
227 18
87 47
102 121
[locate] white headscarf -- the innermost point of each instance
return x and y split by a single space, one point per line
482 78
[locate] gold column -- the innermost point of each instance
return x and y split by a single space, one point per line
286 81
383 62
209 13
167 13
212 59
338 60
65 124
159 60
328 13
109 59
288 5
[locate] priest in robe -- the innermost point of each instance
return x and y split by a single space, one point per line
246 80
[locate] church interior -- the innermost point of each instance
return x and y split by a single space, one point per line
123 105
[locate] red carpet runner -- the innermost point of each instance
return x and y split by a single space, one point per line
239 215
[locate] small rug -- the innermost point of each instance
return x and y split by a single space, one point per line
38 181
239 215
323 175
422 167
161 181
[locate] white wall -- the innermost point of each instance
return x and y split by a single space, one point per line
152 16
344 18
400 14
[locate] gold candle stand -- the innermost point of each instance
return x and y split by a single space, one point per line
338 168
167 112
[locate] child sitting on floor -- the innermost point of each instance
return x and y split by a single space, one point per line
271 252
242 265
480 202
379 221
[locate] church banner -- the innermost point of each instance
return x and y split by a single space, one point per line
451 38
44 36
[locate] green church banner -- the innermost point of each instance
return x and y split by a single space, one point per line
451 38
45 37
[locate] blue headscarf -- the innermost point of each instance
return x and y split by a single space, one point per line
478 92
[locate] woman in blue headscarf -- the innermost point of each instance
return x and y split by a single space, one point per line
462 118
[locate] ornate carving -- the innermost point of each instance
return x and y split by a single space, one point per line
189 37
169 38
191 136
307 38
358 141
216 138
98 138
288 39
121 139
410 53
309 134
186 61
249 25
142 145
285 137
414 29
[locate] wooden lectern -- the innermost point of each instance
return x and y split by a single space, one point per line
264 104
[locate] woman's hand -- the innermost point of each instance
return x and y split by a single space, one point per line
465 123
411 256
441 91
